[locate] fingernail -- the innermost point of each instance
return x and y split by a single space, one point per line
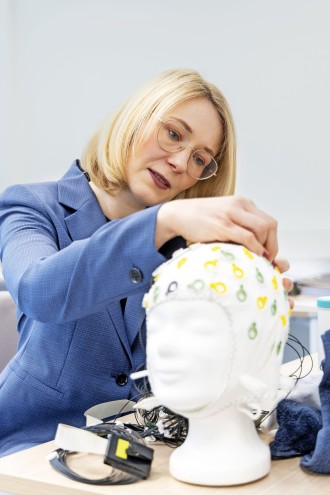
265 255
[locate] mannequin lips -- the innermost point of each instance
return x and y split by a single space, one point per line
159 180
169 375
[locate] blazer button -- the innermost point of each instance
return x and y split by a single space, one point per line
121 379
135 275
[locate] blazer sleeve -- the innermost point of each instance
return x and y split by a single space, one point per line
59 285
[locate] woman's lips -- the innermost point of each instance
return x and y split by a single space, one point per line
159 180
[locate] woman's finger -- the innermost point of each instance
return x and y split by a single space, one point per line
282 264
262 225
240 235
287 284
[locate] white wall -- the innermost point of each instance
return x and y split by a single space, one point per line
66 63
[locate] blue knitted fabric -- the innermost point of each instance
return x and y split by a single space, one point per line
298 429
318 461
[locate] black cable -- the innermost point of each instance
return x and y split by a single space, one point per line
59 463
304 354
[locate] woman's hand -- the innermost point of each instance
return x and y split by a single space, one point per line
283 266
225 219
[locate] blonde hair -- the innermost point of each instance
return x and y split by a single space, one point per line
105 157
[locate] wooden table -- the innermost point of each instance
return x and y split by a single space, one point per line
29 473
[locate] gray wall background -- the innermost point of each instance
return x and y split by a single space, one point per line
65 64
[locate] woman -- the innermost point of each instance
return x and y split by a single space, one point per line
78 254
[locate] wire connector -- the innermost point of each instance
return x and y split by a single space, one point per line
128 455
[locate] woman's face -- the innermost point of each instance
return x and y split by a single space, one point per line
156 176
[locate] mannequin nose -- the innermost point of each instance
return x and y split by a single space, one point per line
165 349
166 343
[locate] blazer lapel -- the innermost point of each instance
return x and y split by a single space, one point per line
84 222
116 315
84 219
134 316
85 215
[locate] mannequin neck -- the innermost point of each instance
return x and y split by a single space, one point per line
223 449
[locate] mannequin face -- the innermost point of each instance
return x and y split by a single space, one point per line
188 346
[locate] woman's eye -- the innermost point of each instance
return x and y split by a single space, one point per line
174 135
199 160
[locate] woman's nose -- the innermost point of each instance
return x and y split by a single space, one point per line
179 160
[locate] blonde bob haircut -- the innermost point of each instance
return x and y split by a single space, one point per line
106 155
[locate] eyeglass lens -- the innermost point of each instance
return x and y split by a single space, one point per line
173 137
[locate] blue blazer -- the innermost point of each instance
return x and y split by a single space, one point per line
67 269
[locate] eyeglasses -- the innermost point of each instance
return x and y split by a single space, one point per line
173 137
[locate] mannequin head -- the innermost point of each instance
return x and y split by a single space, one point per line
217 321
